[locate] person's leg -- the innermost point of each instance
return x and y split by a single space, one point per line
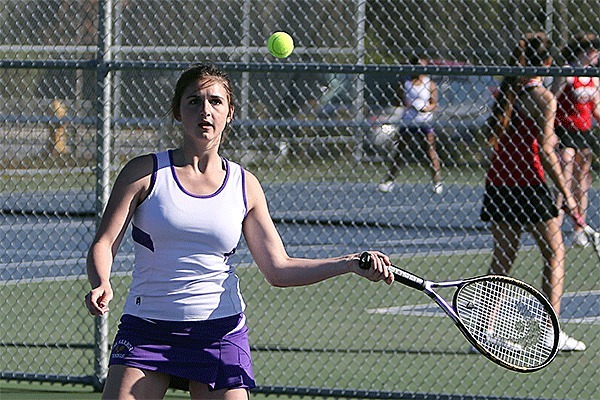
395 160
433 157
567 158
550 241
128 383
199 391
582 178
507 239
549 238
394 163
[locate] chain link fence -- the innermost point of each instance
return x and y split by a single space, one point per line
86 85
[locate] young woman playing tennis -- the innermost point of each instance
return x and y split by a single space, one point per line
517 197
578 105
184 316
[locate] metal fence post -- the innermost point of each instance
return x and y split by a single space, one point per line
103 164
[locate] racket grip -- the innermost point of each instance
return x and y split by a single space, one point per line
402 276
364 261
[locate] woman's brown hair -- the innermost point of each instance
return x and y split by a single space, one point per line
533 50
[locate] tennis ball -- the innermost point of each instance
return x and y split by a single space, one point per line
280 44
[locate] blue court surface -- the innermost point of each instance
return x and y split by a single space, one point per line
46 235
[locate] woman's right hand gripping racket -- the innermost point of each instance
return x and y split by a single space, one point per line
508 321
592 235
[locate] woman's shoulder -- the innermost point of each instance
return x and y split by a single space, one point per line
138 168
254 190
251 178
142 162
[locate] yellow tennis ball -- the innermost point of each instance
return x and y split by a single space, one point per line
280 44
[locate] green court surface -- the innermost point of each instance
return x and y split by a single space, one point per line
330 335
36 391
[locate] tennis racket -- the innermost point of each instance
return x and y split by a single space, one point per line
508 321
594 237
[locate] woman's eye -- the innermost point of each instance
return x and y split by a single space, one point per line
196 100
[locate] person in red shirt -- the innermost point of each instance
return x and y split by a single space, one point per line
517 197
578 103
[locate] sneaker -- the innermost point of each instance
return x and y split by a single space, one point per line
438 188
386 187
580 239
567 343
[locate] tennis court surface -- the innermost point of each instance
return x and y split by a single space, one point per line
385 342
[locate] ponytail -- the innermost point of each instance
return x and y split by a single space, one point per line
531 50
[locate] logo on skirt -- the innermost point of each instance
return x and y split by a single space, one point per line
121 348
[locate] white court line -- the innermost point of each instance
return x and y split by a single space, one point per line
432 310
18 227
72 262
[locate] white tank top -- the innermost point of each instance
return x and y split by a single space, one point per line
182 246
417 96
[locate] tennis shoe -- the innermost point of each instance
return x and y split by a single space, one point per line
567 343
438 188
386 187
580 239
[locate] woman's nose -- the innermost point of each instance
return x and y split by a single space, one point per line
205 108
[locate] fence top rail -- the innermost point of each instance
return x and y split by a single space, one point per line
308 67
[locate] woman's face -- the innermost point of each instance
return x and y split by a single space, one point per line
205 110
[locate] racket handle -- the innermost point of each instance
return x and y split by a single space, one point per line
402 276
364 261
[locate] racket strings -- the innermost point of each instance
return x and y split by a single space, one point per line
508 321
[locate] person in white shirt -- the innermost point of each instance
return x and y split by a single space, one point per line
183 322
419 96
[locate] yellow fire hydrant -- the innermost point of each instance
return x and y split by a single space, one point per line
58 132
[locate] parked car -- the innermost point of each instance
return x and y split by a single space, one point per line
326 106
464 105
334 96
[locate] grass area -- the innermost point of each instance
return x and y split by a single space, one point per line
18 181
286 170
297 170
324 335
46 391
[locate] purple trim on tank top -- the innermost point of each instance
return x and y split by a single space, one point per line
198 196
142 238
244 191
154 172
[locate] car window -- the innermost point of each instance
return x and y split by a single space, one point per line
465 91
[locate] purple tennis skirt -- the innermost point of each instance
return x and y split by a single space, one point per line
203 351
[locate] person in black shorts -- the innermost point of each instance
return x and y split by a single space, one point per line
517 198
578 104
